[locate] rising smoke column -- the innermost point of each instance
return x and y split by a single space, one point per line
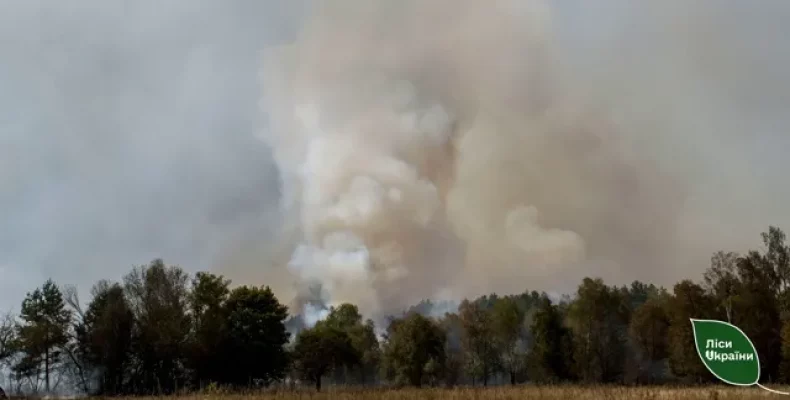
370 186
366 126
457 148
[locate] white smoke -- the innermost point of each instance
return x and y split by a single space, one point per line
312 314
367 152
365 194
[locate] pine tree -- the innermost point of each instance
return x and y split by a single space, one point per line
43 331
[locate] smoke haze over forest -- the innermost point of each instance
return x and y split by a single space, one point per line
390 151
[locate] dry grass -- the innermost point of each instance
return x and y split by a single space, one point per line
506 393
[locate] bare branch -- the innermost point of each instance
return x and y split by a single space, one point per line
72 298
7 335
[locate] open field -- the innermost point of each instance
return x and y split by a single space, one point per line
507 393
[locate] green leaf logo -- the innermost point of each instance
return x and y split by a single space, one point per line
727 352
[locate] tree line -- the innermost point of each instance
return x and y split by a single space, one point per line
161 331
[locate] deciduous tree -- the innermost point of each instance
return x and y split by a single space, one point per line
346 317
105 336
648 332
256 334
758 310
320 349
157 296
721 282
478 339
549 352
508 329
689 300
412 345
599 319
209 333
7 337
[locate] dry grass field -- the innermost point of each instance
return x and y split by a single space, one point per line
507 393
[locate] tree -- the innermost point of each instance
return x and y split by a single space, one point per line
7 337
648 332
508 334
777 255
689 301
76 365
366 343
412 346
157 296
478 340
209 333
105 336
347 318
320 349
257 336
43 331
453 349
7 340
639 293
528 300
599 319
549 353
758 310
784 368
721 281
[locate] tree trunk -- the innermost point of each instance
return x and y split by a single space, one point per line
318 384
46 368
512 377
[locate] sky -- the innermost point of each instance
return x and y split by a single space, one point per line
132 130
127 132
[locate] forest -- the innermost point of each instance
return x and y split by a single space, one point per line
161 331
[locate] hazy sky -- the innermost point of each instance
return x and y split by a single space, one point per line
128 129
127 133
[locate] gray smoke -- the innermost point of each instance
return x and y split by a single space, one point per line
403 150
457 148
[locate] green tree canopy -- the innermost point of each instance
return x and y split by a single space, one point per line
320 349
209 333
599 318
106 336
648 331
509 335
478 338
256 331
347 318
413 345
43 331
689 300
549 355
158 297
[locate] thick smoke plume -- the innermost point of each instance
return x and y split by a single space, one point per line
443 147
451 148
371 130
409 149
